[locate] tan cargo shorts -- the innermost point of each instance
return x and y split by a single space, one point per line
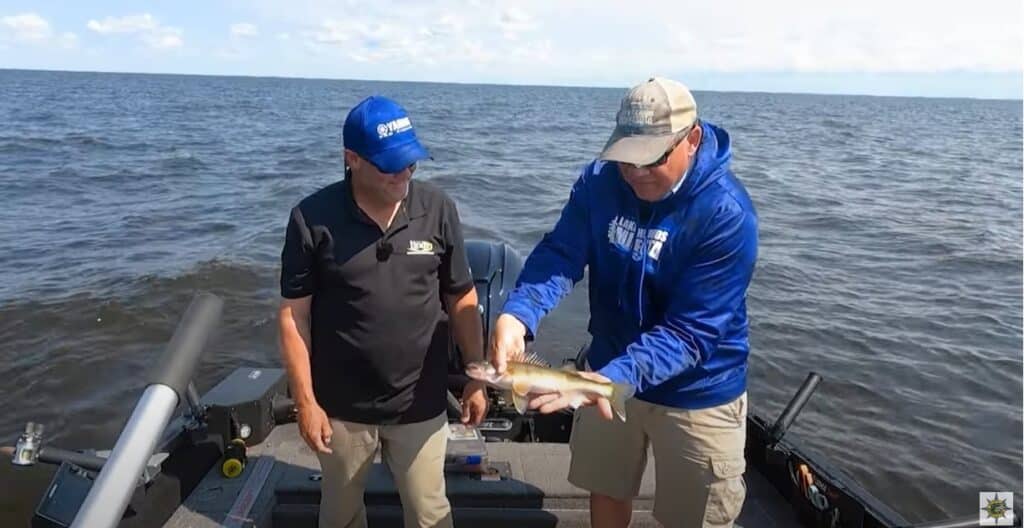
698 458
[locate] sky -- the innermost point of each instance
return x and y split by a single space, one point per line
875 47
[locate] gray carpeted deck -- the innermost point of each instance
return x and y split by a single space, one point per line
536 494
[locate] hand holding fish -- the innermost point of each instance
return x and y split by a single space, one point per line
532 384
507 341
556 401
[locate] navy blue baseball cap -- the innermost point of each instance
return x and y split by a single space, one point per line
379 130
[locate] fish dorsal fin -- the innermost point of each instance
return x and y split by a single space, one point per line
529 358
535 359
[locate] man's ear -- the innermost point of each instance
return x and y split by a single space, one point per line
693 138
352 159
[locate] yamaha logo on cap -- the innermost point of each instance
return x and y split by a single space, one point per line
393 127
379 130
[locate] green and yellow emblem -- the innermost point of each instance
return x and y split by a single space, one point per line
996 508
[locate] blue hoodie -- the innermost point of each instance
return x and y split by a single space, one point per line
670 320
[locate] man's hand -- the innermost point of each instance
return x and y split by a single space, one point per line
556 401
508 340
315 427
474 402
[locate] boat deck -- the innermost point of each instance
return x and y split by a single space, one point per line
279 488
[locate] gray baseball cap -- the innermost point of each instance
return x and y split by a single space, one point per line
650 119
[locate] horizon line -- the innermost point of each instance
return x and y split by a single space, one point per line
535 85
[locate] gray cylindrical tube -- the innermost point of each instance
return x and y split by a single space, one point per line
195 402
794 407
175 367
113 488
168 385
56 455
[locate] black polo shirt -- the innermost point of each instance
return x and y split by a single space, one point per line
379 332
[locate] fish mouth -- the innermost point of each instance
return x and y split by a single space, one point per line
479 371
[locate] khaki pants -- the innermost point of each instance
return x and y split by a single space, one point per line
698 457
413 452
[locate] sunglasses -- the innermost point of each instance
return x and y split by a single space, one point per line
664 157
411 168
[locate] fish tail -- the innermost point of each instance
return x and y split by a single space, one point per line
620 393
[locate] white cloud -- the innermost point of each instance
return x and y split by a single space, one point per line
126 24
448 24
27 27
850 36
429 35
145 26
32 29
514 21
584 40
244 29
164 38
331 32
561 42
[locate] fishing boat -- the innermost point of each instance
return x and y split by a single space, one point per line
233 456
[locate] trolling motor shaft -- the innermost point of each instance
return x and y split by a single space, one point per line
30 449
794 407
169 381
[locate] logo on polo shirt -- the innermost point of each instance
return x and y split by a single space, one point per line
420 247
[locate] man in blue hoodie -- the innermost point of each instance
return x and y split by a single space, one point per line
669 237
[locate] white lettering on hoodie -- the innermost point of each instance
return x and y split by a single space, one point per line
624 234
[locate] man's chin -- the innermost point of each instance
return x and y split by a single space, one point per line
398 194
647 194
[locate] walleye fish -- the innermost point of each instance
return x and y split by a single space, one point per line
530 376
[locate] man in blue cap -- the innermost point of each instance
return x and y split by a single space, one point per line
367 267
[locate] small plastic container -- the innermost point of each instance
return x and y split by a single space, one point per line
466 448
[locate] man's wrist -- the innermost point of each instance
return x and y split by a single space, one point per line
522 318
615 372
471 358
305 402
